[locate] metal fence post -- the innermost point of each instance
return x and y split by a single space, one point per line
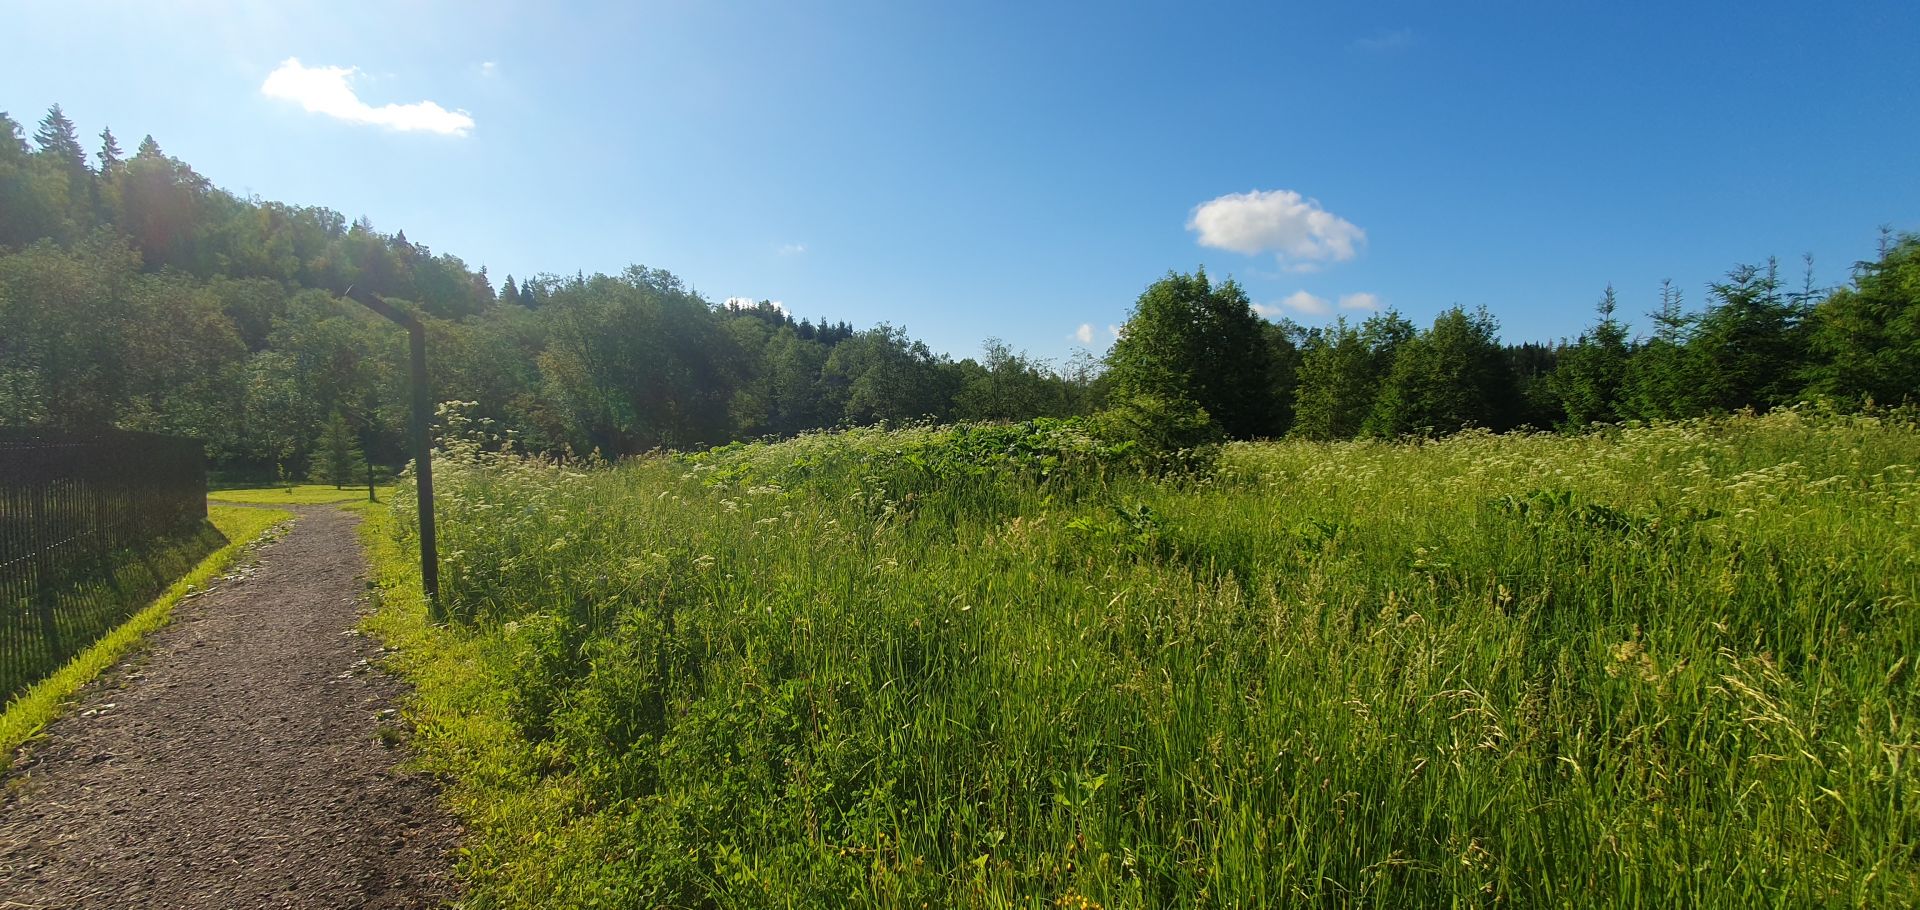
44 601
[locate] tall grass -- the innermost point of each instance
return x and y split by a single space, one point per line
1657 666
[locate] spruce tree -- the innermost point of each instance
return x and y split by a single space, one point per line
337 453
110 155
60 141
1749 347
1660 381
1590 379
1865 338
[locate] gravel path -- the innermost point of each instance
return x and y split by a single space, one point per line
239 764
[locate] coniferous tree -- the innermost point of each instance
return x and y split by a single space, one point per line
1588 383
60 141
1865 339
337 453
31 208
1749 347
1660 381
110 155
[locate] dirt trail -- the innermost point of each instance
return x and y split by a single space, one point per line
238 764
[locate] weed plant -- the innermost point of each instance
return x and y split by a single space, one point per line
1651 666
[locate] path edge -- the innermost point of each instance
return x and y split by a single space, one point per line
45 701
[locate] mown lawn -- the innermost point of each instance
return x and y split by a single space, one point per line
1660 666
299 494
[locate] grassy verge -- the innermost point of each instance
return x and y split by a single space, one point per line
517 851
305 494
39 705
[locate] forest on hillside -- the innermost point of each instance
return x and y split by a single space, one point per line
135 293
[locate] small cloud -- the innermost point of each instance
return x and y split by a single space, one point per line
327 90
792 249
489 68
1299 233
1360 301
1083 334
1299 302
1386 42
1113 330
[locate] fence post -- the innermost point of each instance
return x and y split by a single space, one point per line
44 600
422 440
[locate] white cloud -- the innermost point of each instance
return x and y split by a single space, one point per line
1299 302
792 249
1360 301
1113 330
489 68
1294 228
1083 334
327 90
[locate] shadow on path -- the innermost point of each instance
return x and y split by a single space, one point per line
238 764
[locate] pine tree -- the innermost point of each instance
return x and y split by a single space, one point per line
510 292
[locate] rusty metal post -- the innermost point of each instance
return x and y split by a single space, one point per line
422 442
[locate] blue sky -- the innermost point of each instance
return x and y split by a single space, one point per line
1024 170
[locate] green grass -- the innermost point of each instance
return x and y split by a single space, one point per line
305 494
1659 666
44 701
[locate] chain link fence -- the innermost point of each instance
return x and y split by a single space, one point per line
93 524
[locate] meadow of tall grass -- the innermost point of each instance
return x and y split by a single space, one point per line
1007 667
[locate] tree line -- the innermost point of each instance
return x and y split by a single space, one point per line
135 293
1755 345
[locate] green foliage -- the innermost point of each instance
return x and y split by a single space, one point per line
1342 369
1664 665
1190 339
1661 381
1171 432
1588 383
1446 379
137 294
339 457
1866 338
1750 343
